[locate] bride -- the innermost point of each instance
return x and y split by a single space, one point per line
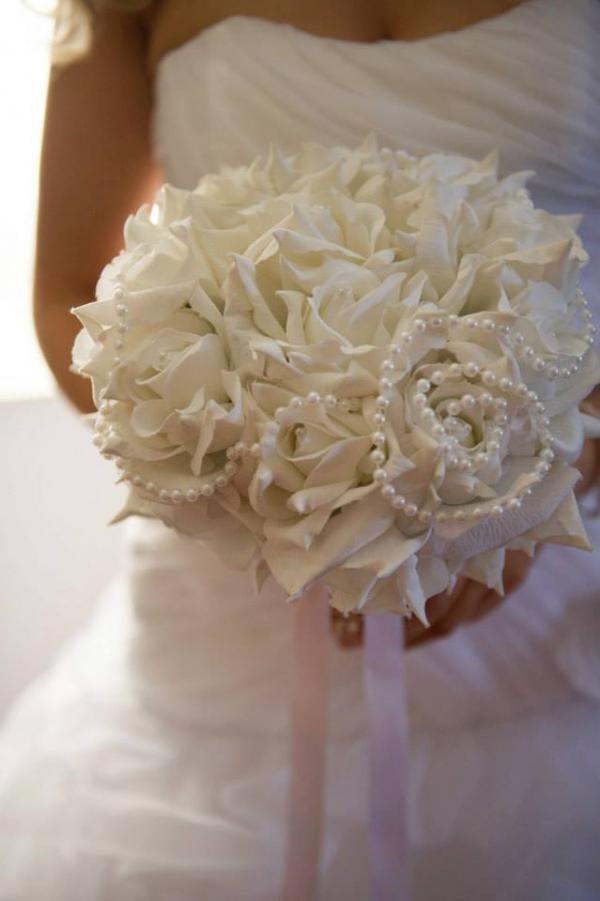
151 761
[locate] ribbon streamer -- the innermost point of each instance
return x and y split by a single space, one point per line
308 745
387 752
388 757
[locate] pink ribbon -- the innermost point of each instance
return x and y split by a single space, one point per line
387 752
388 757
308 745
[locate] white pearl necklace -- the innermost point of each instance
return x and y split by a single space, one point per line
443 432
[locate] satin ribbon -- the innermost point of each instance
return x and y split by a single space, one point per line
388 757
387 752
308 745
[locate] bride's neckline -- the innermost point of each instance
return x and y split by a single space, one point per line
285 27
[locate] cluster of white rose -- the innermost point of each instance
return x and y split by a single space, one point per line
348 365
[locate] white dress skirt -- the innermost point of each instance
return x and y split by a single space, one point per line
151 762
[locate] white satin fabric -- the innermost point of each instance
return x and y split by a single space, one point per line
152 761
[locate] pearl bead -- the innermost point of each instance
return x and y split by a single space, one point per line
330 401
436 322
385 385
387 366
296 403
395 350
280 413
459 516
388 491
314 398
428 414
468 402
486 399
454 408
441 516
420 401
539 364
437 377
150 487
121 309
497 510
488 378
471 370
377 457
221 481
191 495
514 503
176 496
493 447
522 390
255 450
379 419
471 323
230 469
382 401
489 325
406 338
378 438
506 384
164 494
424 516
420 325
380 475
410 510
399 502
482 459
455 370
207 490
438 431
452 319
137 481
97 440
500 403
118 293
423 385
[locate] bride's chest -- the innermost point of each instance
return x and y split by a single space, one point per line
171 23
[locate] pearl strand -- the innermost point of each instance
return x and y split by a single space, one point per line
467 403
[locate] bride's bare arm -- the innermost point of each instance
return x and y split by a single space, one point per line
96 168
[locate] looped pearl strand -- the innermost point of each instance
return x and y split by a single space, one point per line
105 436
449 443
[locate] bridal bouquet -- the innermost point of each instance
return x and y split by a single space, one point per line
351 366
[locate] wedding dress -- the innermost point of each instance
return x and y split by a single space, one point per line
152 760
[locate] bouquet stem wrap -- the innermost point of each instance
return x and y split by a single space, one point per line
387 750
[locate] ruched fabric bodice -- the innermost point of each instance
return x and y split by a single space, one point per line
152 762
